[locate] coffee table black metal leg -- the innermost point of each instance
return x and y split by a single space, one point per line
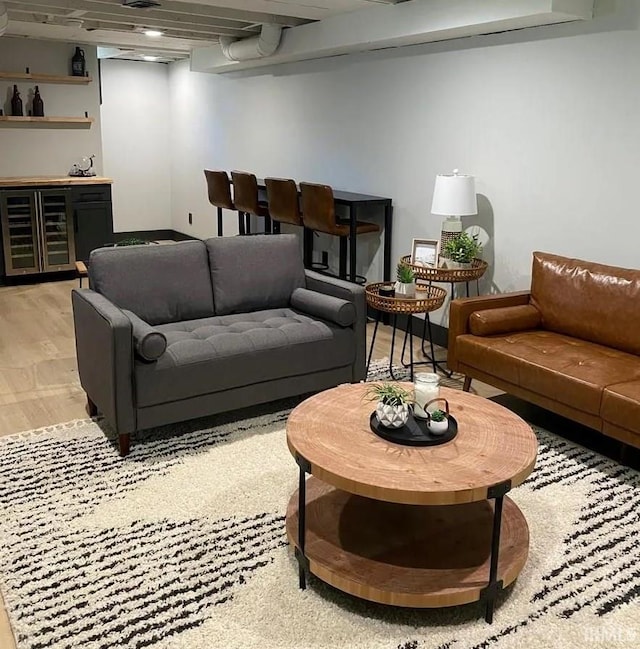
373 340
490 593
303 562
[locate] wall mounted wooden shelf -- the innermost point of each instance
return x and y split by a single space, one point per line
45 78
9 120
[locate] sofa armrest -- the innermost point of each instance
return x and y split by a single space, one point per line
351 293
104 348
460 311
148 342
334 309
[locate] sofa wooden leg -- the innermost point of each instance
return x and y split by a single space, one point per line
92 409
467 384
123 444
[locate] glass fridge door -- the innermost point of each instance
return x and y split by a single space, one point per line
56 230
20 232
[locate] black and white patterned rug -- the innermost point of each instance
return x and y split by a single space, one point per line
182 545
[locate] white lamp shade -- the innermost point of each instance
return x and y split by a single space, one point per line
454 195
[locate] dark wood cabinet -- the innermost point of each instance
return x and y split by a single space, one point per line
93 219
47 228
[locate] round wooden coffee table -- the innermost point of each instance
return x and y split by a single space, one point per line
405 525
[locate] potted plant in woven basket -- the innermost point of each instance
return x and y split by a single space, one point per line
406 281
460 251
392 408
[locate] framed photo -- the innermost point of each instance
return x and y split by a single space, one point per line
425 252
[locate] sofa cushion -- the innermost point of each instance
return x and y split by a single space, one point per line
489 322
621 405
223 352
324 306
149 343
590 301
159 283
252 273
571 371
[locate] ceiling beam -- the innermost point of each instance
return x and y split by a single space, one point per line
91 20
168 11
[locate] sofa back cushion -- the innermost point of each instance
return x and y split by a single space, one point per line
586 300
254 272
159 283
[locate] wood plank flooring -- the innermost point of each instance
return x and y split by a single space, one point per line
39 383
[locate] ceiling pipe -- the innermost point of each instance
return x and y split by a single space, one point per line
4 18
255 47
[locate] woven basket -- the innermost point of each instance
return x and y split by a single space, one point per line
428 298
430 274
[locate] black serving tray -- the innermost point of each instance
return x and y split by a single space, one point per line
414 432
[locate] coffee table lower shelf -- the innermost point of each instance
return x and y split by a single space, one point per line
406 555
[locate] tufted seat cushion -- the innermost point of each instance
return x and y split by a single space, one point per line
571 371
222 352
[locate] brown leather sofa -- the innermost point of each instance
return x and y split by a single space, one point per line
571 344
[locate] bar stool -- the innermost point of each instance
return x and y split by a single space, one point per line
282 195
319 215
245 197
219 190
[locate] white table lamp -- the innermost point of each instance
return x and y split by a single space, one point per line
454 195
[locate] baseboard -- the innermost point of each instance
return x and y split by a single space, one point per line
154 235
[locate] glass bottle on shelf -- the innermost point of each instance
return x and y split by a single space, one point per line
78 63
16 103
37 104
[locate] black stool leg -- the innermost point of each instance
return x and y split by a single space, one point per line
247 223
241 230
342 272
219 221
275 227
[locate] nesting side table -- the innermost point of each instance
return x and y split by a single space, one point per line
450 276
428 298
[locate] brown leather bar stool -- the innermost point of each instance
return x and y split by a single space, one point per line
219 190
319 215
284 207
245 197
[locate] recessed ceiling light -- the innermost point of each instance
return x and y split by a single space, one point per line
147 57
154 33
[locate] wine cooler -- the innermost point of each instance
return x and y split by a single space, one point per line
37 231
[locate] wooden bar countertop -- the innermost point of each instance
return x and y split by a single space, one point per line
32 181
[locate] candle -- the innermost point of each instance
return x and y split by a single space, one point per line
426 387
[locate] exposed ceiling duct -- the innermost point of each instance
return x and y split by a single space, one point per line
255 47
4 18
398 25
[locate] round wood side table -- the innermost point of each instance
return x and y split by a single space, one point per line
450 276
426 526
428 298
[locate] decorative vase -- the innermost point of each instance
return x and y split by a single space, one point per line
405 289
458 265
392 416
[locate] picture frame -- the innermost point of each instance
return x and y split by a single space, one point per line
425 252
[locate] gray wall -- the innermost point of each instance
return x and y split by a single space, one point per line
546 118
48 151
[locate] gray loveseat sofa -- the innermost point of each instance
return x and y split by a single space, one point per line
172 332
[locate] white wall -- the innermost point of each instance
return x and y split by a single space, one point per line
135 142
546 118
48 151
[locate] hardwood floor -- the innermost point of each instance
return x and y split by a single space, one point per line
39 383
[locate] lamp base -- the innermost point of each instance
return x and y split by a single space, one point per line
451 229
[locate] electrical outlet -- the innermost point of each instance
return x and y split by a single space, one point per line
190 218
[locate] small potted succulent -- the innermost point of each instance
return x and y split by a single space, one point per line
392 408
406 281
460 251
437 419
